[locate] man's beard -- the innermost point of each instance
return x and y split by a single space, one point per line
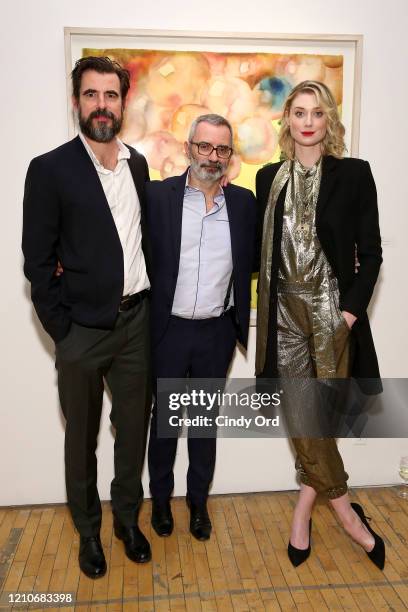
101 132
201 170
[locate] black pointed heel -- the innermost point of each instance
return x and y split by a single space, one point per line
299 555
377 554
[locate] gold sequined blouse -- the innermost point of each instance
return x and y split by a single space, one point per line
302 257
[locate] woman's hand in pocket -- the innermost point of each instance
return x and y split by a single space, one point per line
349 318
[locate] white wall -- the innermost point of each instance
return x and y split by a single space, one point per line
34 120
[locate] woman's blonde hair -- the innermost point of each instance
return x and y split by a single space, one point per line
333 142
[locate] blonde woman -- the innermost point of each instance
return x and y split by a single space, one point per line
317 210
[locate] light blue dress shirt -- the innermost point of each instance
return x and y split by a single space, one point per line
205 257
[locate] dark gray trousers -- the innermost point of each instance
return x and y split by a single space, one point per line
84 358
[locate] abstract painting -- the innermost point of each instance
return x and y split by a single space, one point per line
176 76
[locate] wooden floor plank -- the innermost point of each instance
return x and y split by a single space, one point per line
205 585
115 583
174 575
57 580
54 534
393 600
189 577
215 560
84 590
226 535
14 576
246 512
7 525
130 587
36 551
64 545
21 518
159 568
244 566
26 541
44 573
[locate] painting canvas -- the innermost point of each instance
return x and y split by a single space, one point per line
175 78
170 88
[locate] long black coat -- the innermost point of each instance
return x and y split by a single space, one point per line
346 217
67 218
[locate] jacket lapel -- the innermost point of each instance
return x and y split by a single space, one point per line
91 182
327 182
176 199
138 178
232 219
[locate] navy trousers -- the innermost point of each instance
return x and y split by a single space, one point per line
198 349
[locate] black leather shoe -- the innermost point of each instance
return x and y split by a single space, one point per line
299 555
377 554
137 548
91 558
200 524
162 518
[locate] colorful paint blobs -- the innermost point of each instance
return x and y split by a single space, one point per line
177 79
274 91
184 117
159 146
169 89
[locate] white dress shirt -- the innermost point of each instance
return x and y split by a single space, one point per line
121 194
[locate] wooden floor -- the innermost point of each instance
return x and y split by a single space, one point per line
244 566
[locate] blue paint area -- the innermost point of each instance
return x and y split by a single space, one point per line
277 90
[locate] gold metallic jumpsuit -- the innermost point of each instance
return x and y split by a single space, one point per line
313 336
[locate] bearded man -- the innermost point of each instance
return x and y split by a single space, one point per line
202 238
84 207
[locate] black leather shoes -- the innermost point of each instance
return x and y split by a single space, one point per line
137 548
377 554
200 524
299 555
91 558
162 518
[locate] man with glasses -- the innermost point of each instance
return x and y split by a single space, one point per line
202 238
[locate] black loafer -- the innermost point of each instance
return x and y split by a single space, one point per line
162 518
200 524
137 548
91 558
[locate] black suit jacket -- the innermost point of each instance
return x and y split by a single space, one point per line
164 216
346 219
67 218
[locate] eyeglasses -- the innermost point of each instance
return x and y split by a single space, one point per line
205 148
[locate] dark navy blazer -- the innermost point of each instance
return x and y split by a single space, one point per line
164 205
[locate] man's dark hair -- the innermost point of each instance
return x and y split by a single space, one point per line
102 65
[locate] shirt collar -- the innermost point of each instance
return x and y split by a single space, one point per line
123 152
190 188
